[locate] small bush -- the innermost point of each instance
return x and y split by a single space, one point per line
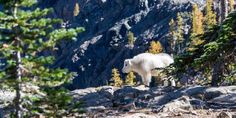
116 78
130 79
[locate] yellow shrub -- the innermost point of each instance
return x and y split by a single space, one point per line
116 78
155 47
130 79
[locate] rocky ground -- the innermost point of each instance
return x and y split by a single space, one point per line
158 102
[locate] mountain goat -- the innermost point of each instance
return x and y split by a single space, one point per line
144 63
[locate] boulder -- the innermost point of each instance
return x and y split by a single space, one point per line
224 114
96 109
93 97
181 104
125 96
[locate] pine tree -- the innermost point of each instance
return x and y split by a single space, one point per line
116 78
25 33
197 21
172 36
131 39
197 27
155 47
194 19
180 27
210 18
180 33
130 79
207 57
172 27
76 9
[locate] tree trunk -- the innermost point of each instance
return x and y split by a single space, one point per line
18 88
218 67
217 75
224 9
17 99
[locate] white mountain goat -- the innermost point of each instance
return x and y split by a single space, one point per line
144 63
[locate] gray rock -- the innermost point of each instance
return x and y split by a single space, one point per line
166 98
93 97
178 105
214 92
228 98
197 103
125 96
138 115
95 109
108 101
224 115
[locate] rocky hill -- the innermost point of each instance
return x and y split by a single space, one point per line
103 45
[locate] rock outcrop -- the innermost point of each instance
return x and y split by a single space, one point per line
103 45
158 102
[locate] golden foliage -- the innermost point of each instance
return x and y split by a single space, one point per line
210 18
116 78
172 27
231 4
197 21
131 38
155 47
130 79
76 10
193 43
197 27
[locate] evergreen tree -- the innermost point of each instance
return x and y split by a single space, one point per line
180 26
217 50
172 27
180 33
155 47
210 18
116 78
25 33
130 79
172 36
197 21
197 27
131 39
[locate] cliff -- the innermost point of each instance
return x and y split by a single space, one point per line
103 45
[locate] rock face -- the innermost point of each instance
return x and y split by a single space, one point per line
158 102
103 45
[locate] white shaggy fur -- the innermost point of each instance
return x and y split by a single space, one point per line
144 63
